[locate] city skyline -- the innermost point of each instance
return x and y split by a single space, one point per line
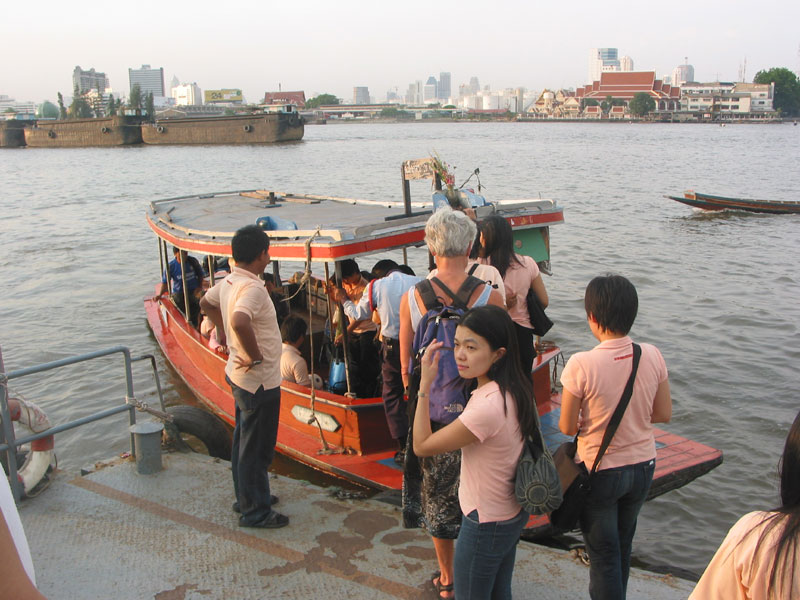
504 45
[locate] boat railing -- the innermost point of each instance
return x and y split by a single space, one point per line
8 442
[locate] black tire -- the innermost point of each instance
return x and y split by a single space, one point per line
204 427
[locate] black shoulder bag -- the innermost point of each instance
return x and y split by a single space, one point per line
575 479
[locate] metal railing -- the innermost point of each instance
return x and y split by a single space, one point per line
9 444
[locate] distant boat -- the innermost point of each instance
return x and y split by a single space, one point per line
709 202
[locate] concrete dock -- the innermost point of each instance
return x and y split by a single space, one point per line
116 534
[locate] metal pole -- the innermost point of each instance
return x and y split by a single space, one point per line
165 267
183 282
211 269
8 435
345 336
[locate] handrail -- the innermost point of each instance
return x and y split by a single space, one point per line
10 443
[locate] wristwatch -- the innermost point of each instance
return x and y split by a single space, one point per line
256 362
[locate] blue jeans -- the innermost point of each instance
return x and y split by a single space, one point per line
608 522
485 554
253 449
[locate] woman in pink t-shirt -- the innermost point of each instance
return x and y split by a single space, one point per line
593 383
489 433
520 273
760 557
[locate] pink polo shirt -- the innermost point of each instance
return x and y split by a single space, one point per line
518 279
241 291
489 466
598 378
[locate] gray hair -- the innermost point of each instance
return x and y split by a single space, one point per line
449 232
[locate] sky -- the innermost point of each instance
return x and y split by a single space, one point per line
332 46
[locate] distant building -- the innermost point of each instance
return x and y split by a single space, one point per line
474 85
98 100
173 84
603 60
624 86
360 95
296 98
414 93
187 94
728 99
626 64
150 81
89 80
18 110
227 97
444 86
430 93
682 74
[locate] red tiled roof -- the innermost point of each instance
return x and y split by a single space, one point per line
296 98
625 84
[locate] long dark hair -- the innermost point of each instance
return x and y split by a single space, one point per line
498 243
494 325
782 577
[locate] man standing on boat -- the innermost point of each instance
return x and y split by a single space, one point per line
194 283
384 295
240 306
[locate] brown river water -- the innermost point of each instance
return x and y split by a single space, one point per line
719 293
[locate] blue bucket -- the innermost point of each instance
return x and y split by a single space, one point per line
337 380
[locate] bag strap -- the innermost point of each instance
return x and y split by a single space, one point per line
472 269
427 294
461 298
616 418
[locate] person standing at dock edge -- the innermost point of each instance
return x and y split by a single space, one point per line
240 306
384 295
593 383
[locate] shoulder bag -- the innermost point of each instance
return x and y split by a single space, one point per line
575 479
540 322
537 487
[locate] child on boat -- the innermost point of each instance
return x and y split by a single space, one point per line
489 433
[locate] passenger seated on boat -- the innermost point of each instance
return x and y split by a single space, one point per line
194 283
293 366
281 306
365 362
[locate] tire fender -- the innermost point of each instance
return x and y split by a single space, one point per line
205 426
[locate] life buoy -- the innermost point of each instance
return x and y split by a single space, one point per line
160 129
104 129
248 128
51 134
39 458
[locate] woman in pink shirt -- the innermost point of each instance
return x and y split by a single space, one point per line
593 383
760 557
520 273
489 433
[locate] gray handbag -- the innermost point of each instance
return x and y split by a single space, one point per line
537 486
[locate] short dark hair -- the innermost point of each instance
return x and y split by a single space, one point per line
613 302
293 327
406 269
349 267
383 267
248 243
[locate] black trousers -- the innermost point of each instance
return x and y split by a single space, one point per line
526 351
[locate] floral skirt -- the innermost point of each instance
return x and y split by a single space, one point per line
430 491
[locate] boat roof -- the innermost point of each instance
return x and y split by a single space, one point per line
338 228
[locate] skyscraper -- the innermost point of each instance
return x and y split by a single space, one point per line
602 59
682 74
430 92
444 86
89 80
360 95
150 81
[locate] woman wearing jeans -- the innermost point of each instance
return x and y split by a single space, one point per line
593 383
489 434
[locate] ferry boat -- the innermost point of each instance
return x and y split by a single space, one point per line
341 434
714 203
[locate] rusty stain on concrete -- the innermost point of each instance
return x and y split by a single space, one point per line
179 593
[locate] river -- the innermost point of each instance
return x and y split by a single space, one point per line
718 293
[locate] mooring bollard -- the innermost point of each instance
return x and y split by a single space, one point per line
147 445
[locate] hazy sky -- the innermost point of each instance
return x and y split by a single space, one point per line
333 46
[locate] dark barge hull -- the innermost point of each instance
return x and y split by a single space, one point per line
79 133
239 129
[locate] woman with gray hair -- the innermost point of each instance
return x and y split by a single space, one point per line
430 484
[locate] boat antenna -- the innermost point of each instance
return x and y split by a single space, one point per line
477 174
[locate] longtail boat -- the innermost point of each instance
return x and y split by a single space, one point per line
342 434
709 202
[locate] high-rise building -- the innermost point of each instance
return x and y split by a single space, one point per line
187 94
602 60
430 93
682 74
360 95
474 85
414 93
89 80
626 64
444 86
150 81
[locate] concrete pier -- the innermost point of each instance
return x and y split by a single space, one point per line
173 536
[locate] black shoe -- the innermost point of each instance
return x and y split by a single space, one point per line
272 500
273 520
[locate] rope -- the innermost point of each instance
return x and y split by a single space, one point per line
144 407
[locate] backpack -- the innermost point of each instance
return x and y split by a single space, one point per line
448 395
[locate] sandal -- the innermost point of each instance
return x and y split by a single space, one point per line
440 588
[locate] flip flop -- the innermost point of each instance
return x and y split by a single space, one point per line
440 588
